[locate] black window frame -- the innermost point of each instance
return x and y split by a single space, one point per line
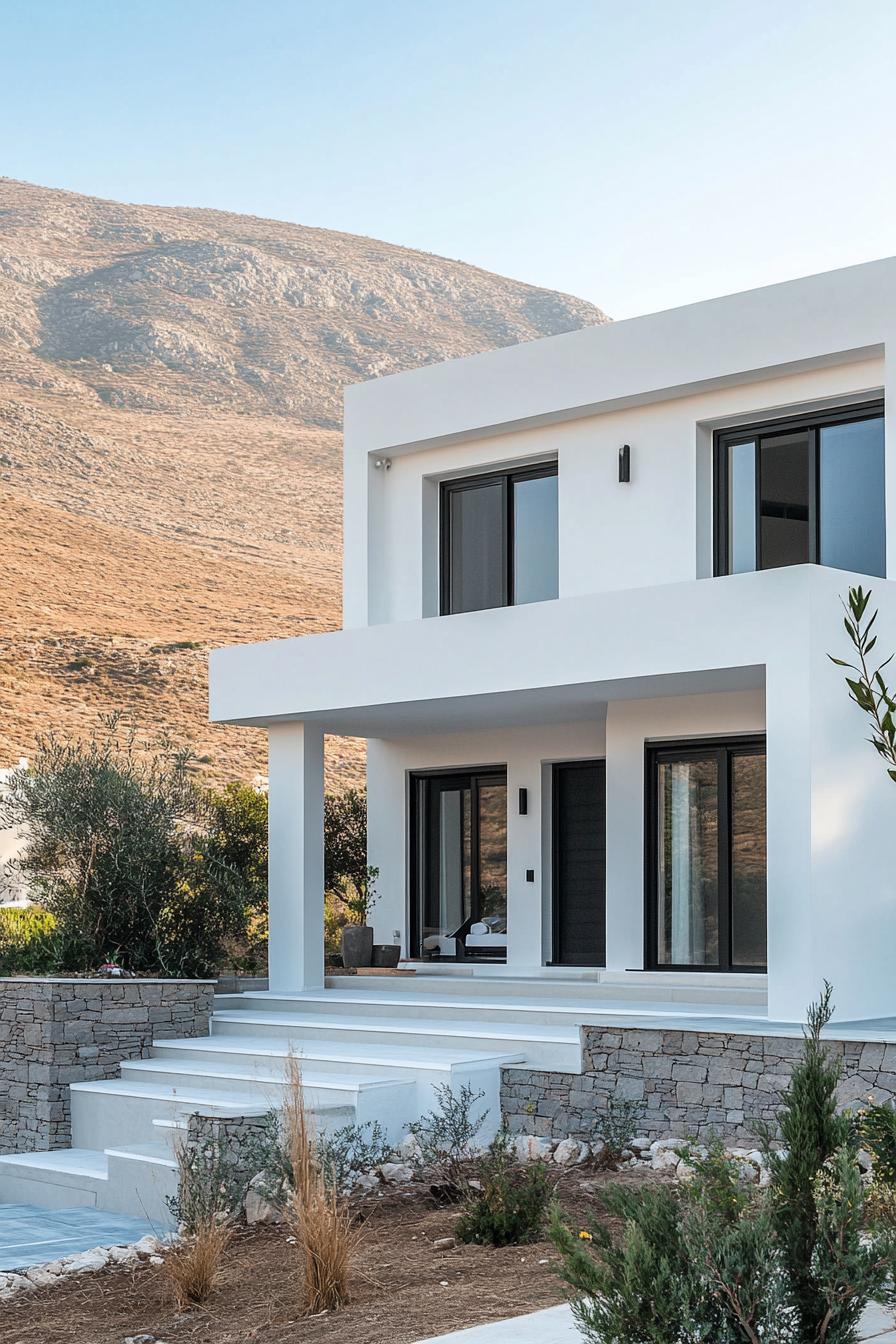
418 803
507 479
692 749
723 439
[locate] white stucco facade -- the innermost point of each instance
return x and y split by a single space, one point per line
641 646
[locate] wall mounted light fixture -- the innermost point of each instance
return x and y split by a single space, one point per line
625 464
524 802
382 463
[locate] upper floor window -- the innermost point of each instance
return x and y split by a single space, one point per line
808 490
499 540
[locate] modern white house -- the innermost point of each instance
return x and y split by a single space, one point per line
590 586
625 815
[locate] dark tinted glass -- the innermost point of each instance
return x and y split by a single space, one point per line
852 496
748 867
784 483
535 542
476 547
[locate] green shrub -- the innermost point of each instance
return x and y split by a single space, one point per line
877 1128
116 851
28 943
447 1136
795 1264
505 1202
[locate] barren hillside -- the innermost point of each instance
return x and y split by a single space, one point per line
170 401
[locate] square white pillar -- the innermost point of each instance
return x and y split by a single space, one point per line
295 856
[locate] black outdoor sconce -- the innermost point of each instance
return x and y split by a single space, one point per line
625 464
524 802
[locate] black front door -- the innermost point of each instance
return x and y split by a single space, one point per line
580 862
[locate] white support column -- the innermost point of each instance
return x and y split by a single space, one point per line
296 856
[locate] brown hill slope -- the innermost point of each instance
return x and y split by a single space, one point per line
170 401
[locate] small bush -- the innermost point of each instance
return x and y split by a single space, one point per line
877 1130
505 1204
352 1149
28 941
209 1194
446 1137
618 1126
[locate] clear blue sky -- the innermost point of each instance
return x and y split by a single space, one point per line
640 153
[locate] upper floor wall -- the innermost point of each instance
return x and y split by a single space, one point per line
663 385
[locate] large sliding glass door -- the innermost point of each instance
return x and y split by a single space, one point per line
706 855
459 853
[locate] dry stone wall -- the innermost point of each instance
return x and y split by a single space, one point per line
57 1032
685 1083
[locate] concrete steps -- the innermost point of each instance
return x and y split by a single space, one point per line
370 1049
541 1046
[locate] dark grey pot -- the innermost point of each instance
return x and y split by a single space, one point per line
386 955
357 945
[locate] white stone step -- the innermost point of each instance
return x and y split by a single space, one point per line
591 986
60 1179
545 1047
142 1178
135 1179
387 1101
431 1005
108 1110
424 1066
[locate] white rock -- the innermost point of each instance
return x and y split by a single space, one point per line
598 1148
528 1148
684 1172
864 1160
87 1262
663 1145
122 1255
409 1148
747 1174
40 1276
257 1207
639 1145
570 1152
148 1245
765 1178
396 1173
665 1159
366 1181
156 1260
756 1157
17 1283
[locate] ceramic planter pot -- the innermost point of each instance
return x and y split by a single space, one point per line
357 945
386 955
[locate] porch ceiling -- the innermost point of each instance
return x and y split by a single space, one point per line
519 708
549 662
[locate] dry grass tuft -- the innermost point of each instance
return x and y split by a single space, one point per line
325 1233
193 1265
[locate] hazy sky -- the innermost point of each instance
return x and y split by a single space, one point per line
639 153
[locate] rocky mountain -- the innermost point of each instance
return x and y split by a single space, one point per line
170 404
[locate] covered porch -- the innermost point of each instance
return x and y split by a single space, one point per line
596 678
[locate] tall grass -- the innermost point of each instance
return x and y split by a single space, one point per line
325 1234
204 1205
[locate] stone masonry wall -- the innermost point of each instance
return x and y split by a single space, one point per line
57 1032
687 1083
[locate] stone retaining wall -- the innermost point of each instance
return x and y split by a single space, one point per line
57 1032
685 1082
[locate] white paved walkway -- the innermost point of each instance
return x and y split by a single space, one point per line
555 1326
